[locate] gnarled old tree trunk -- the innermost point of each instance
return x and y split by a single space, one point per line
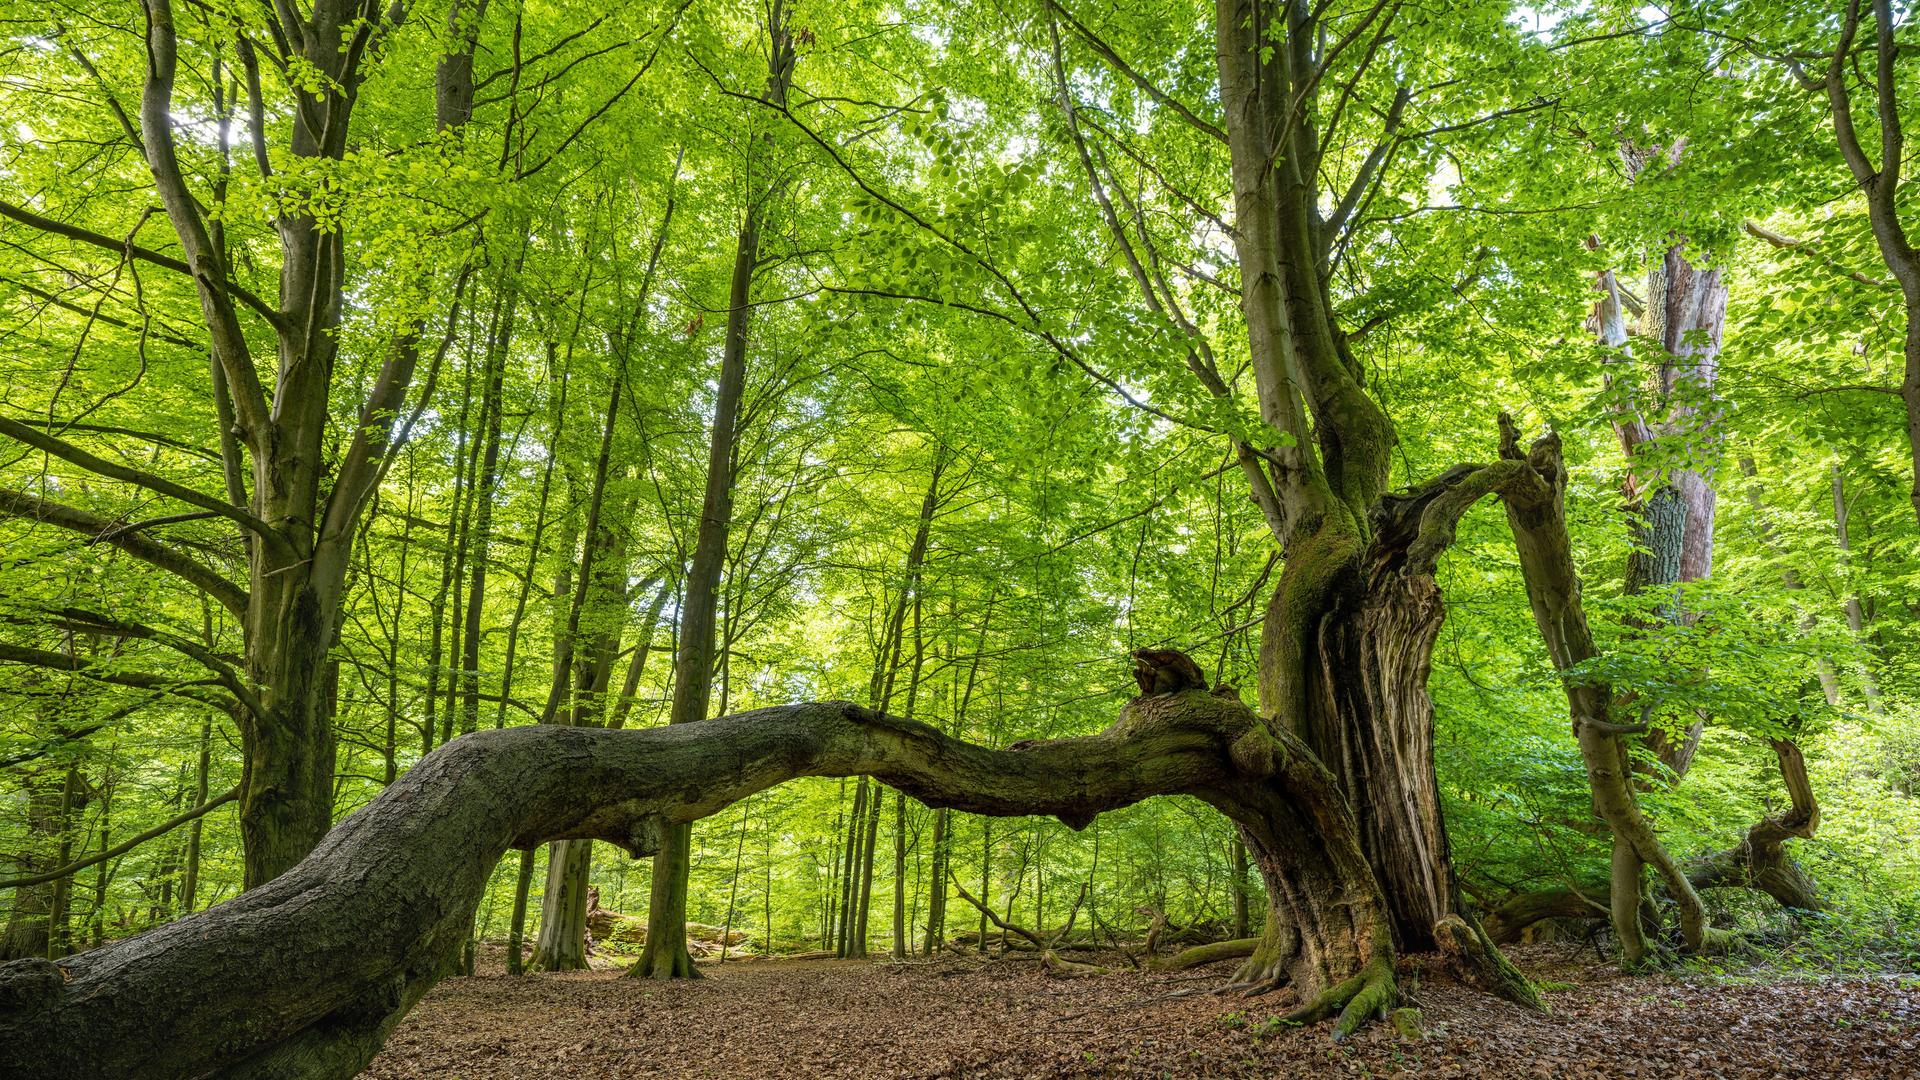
1347 639
1348 636
306 975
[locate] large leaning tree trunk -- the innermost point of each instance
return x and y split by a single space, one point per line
306 975
294 495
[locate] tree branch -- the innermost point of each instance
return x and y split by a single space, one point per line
139 680
68 452
1126 70
1805 247
87 236
100 530
90 622
124 846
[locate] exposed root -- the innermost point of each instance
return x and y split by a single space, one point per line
1478 961
1367 996
1261 974
1253 989
1206 954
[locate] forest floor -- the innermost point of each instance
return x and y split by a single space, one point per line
953 1017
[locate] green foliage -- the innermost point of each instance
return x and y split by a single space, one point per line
939 281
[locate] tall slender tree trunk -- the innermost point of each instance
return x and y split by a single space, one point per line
863 900
483 497
190 878
517 925
937 881
73 797
665 955
850 876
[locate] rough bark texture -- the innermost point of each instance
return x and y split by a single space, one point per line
306 975
562 942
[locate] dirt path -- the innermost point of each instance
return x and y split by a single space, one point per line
957 1019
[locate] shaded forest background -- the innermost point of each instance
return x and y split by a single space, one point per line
971 468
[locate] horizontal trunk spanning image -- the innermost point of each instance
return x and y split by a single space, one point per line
307 975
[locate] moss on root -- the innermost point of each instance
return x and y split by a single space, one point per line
1367 996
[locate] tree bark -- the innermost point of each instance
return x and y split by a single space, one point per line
517 924
562 943
323 961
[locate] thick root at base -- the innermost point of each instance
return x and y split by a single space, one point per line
1478 961
1257 976
1369 995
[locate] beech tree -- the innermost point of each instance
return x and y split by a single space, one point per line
297 505
635 366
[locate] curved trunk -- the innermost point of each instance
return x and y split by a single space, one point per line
1760 862
307 974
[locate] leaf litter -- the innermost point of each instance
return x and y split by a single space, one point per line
956 1017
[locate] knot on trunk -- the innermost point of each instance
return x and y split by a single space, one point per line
1166 671
30 984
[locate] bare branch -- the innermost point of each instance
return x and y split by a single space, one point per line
148 255
1806 247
